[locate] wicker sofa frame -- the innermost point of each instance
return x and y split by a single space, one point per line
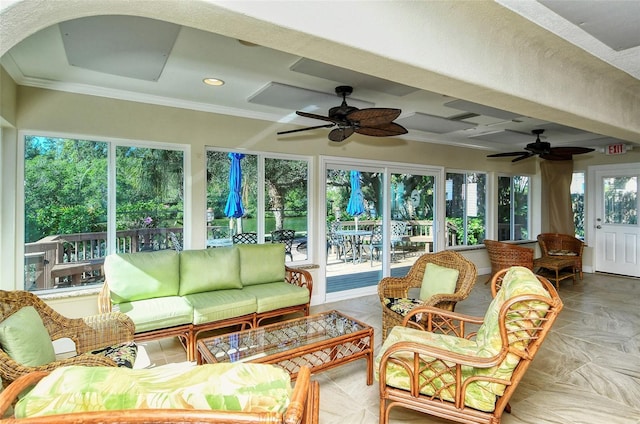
398 287
188 333
303 409
464 326
89 334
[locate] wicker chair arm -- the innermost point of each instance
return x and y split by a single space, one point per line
299 277
434 353
396 287
441 321
12 370
10 393
104 330
104 299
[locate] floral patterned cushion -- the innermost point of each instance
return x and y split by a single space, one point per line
123 354
402 305
224 387
441 382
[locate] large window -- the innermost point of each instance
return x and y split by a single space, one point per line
513 208
272 194
466 208
67 210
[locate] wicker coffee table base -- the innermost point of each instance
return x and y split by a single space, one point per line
312 341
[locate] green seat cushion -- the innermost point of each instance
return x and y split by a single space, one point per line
25 339
142 275
209 269
261 263
224 387
161 312
517 281
438 279
220 304
274 296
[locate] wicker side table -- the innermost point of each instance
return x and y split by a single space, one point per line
555 268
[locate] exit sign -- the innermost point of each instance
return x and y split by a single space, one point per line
616 149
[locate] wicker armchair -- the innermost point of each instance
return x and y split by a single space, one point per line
398 287
552 244
503 255
89 334
443 369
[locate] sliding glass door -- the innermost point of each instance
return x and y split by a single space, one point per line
379 220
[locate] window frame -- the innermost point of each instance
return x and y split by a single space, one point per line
261 185
512 224
112 145
487 214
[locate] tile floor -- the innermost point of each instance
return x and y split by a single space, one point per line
587 371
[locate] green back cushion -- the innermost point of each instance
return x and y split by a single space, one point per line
142 275
25 339
517 281
225 387
261 263
438 279
209 269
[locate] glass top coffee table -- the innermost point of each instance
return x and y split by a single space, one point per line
320 341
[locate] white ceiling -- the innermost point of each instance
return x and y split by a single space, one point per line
157 62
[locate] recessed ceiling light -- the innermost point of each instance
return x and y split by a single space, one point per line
213 81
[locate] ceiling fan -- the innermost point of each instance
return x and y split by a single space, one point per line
544 150
374 122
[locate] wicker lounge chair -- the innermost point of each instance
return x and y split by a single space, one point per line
503 255
89 334
445 370
303 403
398 287
565 245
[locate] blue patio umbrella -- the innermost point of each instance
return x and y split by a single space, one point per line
355 207
234 208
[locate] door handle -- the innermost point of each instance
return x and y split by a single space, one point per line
598 226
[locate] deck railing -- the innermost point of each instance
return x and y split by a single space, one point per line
76 259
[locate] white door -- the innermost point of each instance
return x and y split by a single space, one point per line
616 228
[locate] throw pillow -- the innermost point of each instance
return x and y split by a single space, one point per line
25 339
438 279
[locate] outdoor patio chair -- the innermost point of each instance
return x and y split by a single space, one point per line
175 242
444 368
398 230
28 326
375 243
336 241
286 237
245 238
564 245
503 255
449 281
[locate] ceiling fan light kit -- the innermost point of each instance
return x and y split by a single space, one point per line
374 122
544 150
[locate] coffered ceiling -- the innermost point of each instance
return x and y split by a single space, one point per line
157 62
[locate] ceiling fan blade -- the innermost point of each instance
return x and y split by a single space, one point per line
504 155
568 151
306 129
523 157
554 156
385 130
321 117
341 133
373 117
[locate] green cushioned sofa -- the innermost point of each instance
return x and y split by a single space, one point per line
168 293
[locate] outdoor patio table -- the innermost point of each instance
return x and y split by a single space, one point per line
221 242
354 236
